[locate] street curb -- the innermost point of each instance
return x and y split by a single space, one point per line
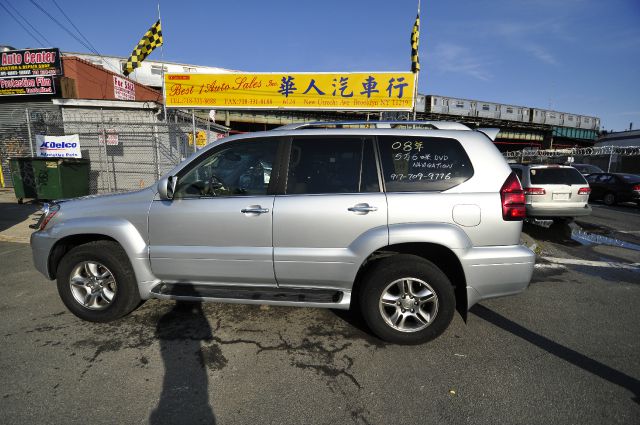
530 243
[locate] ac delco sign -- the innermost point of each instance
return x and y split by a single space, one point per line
21 63
59 146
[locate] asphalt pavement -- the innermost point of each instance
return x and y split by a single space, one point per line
563 352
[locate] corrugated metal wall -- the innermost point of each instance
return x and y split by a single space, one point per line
14 131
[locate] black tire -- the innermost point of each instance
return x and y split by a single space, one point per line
395 268
113 258
609 198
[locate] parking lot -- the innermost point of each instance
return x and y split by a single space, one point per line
565 351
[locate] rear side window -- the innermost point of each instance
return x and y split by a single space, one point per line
560 175
630 178
331 165
417 164
592 178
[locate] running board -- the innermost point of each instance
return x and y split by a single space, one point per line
300 297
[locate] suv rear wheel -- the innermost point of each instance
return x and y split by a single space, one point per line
407 300
96 282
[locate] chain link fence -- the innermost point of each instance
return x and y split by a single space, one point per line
609 158
127 150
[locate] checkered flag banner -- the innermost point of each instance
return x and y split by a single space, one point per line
151 40
415 39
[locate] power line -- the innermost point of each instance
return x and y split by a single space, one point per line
74 26
29 23
21 24
87 46
63 27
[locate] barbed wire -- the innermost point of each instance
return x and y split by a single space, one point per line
590 151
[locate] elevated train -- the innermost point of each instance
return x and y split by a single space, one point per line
477 108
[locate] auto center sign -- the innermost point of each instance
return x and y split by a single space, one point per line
29 72
59 146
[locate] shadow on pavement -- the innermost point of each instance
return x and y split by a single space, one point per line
185 396
558 232
567 354
12 213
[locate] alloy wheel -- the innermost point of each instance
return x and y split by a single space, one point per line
93 285
408 304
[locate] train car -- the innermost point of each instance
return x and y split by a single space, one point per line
477 108
553 118
435 105
487 110
570 120
451 106
514 113
421 103
537 116
589 123
543 116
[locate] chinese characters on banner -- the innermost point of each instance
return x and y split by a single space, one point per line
339 91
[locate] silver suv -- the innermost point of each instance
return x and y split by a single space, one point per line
406 225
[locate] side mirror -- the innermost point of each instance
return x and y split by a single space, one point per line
167 187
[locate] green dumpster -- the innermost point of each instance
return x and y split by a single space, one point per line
58 178
24 183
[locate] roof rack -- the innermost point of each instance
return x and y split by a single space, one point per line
438 125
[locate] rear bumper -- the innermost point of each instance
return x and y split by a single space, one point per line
561 211
496 271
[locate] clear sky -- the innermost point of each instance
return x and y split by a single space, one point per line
579 56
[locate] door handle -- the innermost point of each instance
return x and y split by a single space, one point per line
362 208
254 210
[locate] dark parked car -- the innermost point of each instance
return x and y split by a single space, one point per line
614 187
586 169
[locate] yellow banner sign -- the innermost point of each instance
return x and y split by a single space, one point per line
320 91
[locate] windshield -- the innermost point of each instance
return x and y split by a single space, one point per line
560 175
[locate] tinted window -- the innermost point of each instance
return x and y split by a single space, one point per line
411 164
588 169
630 178
592 178
234 169
370 181
331 165
560 175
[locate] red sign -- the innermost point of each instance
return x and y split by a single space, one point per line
12 86
112 137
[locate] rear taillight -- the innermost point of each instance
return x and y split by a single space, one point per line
636 187
534 191
584 191
512 197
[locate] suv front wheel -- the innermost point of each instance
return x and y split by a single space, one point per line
97 283
407 300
